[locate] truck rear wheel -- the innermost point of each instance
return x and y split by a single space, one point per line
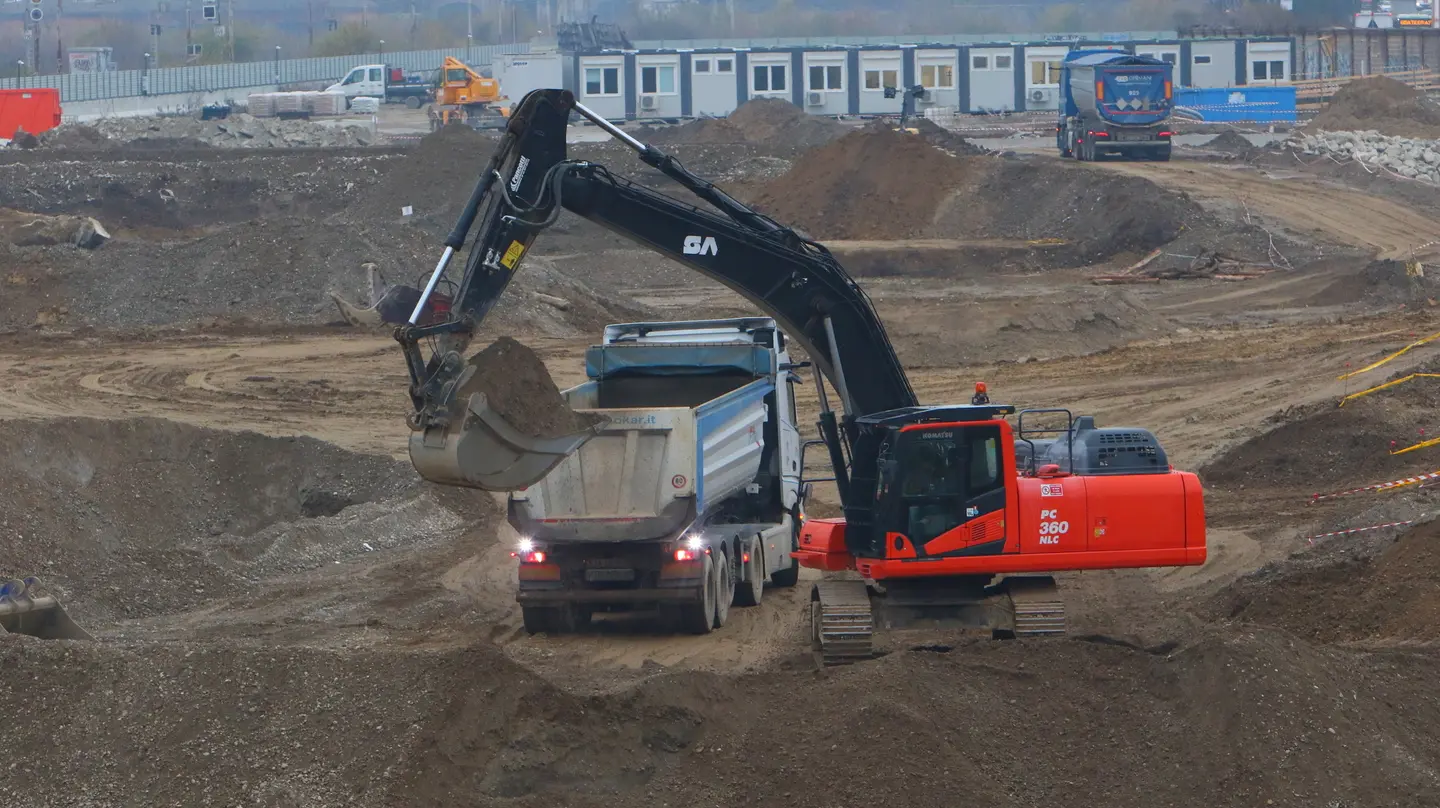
725 586
538 619
749 591
699 618
413 102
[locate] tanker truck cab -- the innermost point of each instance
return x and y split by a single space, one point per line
688 499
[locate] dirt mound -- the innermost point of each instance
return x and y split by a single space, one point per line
275 271
938 135
467 726
1384 283
1394 595
1231 142
881 184
518 387
240 131
876 183
142 517
1381 104
435 180
771 123
1322 447
75 136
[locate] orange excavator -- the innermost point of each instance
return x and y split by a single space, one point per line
954 514
466 96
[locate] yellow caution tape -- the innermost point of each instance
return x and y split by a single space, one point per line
1380 387
1401 352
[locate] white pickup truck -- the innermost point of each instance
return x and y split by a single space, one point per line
689 500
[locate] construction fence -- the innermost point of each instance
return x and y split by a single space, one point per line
76 87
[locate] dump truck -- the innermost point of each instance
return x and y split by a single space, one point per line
688 499
1114 103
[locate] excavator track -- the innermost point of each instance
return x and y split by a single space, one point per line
1039 611
842 623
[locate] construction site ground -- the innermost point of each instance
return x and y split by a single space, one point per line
211 473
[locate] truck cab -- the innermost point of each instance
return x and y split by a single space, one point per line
365 80
390 84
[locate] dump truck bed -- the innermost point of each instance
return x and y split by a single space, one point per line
684 432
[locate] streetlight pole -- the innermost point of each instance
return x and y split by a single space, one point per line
277 67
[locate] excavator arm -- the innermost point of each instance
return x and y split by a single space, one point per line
524 188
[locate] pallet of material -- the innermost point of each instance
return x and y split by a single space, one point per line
289 103
261 105
326 104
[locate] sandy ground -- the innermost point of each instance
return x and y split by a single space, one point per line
229 507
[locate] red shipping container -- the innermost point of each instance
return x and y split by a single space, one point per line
36 110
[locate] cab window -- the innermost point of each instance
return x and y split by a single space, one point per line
939 473
355 77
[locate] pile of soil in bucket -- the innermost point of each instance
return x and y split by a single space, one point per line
519 388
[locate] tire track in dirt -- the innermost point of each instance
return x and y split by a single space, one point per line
1302 205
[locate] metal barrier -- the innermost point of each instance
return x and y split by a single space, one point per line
1250 104
211 78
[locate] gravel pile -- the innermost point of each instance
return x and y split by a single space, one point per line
238 131
1408 157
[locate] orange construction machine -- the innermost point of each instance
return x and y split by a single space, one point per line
953 516
462 94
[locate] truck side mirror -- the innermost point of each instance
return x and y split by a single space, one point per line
1051 470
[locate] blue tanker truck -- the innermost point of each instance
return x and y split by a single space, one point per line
1112 102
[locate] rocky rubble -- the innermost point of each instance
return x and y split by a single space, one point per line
238 131
1408 157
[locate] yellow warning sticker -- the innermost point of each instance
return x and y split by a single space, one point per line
512 255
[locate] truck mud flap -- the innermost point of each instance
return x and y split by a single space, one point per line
484 451
25 610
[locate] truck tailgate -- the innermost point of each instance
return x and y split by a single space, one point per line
650 470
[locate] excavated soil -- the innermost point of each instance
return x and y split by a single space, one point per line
519 388
1014 724
879 183
143 517
1390 595
770 123
1383 105
1230 143
870 184
1323 447
1383 282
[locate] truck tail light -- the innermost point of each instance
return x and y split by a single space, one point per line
684 554
1165 134
532 557
1098 134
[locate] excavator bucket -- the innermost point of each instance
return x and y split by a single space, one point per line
392 305
25 610
482 450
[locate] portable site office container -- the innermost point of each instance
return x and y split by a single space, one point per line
34 111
